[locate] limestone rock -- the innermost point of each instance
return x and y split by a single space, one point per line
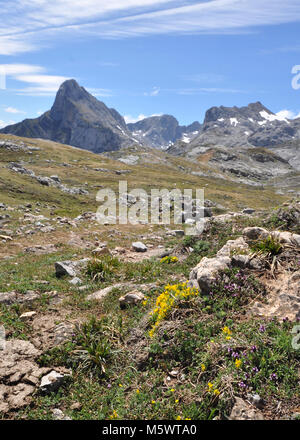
138 246
206 272
243 411
71 268
133 297
52 381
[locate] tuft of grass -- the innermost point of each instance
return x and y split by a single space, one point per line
268 246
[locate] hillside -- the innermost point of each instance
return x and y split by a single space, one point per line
96 329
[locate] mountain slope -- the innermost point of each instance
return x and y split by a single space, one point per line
162 131
77 118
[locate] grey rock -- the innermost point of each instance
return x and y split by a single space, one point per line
75 281
248 211
179 232
243 411
133 297
71 268
52 381
59 415
256 400
138 246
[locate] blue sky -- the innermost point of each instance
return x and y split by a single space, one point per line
147 57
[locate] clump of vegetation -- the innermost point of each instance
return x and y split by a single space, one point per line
10 319
90 350
269 246
168 260
103 269
167 299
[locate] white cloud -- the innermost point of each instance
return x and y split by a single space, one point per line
131 119
154 92
21 21
39 83
288 114
13 110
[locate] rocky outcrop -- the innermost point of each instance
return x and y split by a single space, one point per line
244 411
206 272
19 374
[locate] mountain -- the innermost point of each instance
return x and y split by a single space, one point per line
252 125
243 128
162 131
77 118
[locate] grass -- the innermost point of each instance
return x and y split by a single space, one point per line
269 246
187 369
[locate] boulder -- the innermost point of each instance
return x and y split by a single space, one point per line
255 233
207 271
133 297
71 268
244 411
52 381
138 246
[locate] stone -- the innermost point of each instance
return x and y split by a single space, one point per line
19 374
244 411
27 316
179 232
102 293
133 297
52 381
138 246
59 415
101 250
255 233
256 400
206 272
233 246
75 281
248 211
62 332
8 297
70 268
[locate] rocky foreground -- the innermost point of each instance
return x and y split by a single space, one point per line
147 323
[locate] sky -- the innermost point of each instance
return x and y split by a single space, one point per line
149 57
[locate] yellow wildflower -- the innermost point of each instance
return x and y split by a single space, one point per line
226 331
238 363
203 367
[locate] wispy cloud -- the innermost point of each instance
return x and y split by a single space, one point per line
38 83
21 21
13 110
154 92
